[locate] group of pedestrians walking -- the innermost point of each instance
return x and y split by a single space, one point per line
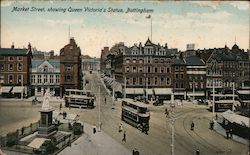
229 132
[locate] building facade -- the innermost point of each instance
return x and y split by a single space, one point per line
147 68
89 63
45 74
14 71
70 67
196 77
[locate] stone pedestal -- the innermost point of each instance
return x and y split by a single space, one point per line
46 128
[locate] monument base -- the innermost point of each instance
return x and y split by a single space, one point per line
46 131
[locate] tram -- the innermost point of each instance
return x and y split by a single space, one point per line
79 98
224 102
136 114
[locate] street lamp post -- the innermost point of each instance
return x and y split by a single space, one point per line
213 98
99 110
22 90
172 124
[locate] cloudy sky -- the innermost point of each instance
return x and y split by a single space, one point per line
206 24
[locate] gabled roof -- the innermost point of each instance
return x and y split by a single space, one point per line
148 43
178 61
194 61
53 62
13 51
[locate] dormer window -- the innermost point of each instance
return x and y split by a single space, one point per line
45 69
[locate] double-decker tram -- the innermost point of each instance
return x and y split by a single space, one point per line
136 114
79 98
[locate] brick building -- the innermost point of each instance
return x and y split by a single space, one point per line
145 70
70 67
15 66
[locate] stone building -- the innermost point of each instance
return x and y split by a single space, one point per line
14 71
70 67
45 74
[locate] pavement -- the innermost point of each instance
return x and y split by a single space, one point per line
219 129
95 144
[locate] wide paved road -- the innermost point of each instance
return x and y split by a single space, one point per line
16 114
158 141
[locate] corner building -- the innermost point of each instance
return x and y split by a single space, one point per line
70 67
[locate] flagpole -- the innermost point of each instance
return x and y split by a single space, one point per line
151 29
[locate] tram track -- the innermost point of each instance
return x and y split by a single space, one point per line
208 147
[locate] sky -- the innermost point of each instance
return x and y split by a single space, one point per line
207 24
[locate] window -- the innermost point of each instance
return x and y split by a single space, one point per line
156 60
176 85
134 81
127 81
10 67
19 67
39 79
156 80
68 68
182 68
1 67
68 78
51 79
156 69
168 70
182 76
148 81
127 61
127 69
148 60
182 86
19 79
177 76
57 78
134 60
141 61
19 58
11 58
39 90
176 68
140 69
168 81
162 80
148 69
162 60
10 79
45 78
45 69
162 69
140 81
134 69
1 57
33 79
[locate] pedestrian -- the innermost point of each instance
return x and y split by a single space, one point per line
60 106
197 152
216 116
105 100
231 132
192 126
124 136
211 125
120 128
227 133
94 129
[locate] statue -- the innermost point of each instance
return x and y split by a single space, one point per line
45 105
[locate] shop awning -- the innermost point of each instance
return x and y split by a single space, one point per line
134 91
196 94
18 89
163 91
149 91
179 93
235 118
5 89
244 92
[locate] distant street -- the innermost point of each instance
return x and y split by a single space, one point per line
16 114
